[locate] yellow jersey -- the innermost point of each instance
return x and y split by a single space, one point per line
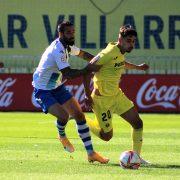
107 79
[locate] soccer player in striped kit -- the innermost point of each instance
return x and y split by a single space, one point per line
51 94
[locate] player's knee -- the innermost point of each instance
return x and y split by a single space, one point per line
138 124
106 136
79 116
64 121
63 118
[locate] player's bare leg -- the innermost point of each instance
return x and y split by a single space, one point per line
74 109
98 131
61 122
106 136
132 117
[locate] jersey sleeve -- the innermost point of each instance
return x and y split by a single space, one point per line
103 57
61 59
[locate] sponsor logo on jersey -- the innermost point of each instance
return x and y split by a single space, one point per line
118 64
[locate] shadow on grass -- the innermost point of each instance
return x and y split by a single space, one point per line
161 166
165 166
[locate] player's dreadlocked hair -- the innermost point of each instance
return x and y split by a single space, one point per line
62 26
127 30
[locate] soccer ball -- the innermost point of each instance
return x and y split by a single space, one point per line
129 160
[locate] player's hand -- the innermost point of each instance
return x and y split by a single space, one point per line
88 103
143 67
1 65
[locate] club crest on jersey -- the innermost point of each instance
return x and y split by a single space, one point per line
63 58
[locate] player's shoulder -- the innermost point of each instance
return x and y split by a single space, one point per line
56 46
111 47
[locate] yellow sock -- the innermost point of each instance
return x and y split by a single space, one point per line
137 140
94 126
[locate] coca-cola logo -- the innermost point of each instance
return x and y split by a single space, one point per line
78 92
149 95
6 97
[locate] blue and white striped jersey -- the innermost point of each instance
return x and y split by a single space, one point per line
47 75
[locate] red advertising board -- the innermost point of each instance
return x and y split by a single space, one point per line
150 93
16 92
153 93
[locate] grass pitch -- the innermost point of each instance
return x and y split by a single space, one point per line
29 149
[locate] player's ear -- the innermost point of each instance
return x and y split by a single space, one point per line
61 34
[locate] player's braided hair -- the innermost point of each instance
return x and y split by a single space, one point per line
62 25
127 30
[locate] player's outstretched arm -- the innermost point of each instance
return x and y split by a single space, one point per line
69 73
142 66
85 55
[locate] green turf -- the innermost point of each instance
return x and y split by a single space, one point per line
29 149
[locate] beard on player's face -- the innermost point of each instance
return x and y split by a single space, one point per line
69 41
129 50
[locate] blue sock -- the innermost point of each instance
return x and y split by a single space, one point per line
84 134
61 128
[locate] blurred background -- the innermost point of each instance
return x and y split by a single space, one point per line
28 27
29 148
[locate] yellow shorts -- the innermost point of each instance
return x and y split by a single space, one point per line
105 106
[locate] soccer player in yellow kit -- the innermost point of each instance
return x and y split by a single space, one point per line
107 98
